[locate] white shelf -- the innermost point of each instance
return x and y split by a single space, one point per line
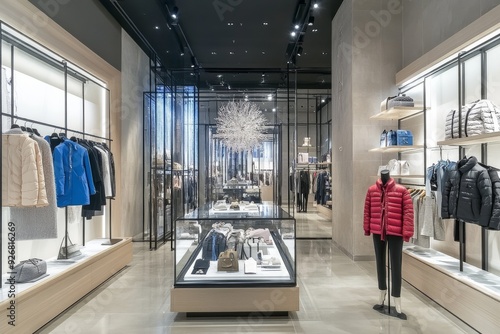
391 149
398 113
473 140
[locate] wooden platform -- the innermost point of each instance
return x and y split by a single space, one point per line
37 305
468 301
223 300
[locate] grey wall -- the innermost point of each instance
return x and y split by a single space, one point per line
90 23
366 55
427 23
135 81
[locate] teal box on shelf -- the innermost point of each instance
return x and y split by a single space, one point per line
404 138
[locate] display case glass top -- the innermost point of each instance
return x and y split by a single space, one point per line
260 249
263 212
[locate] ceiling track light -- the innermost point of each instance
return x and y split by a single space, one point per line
315 5
293 34
296 26
299 51
193 61
311 21
175 13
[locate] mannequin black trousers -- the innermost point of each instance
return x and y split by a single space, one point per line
395 244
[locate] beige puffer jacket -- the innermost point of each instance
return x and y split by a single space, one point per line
23 183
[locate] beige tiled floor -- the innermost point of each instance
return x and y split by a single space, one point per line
336 296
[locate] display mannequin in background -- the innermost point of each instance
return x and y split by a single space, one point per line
388 215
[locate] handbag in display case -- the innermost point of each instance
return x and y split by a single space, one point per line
228 261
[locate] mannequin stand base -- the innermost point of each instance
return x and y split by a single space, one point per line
111 242
384 309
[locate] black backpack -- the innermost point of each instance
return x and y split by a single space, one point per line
213 245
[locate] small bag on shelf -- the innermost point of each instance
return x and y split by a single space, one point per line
404 167
69 252
383 139
228 261
400 101
404 138
30 270
394 167
392 138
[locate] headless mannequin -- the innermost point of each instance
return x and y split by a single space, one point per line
384 177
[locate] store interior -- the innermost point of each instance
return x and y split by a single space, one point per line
198 151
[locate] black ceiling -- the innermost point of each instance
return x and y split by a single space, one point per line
246 38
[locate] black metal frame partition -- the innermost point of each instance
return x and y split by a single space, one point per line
35 51
459 62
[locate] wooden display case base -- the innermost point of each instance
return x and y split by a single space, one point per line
37 305
234 300
475 307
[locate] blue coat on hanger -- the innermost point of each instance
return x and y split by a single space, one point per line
74 183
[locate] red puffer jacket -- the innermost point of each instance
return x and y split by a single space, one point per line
388 210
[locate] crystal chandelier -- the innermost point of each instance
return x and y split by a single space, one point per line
240 125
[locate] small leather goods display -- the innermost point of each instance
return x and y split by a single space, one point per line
200 267
228 261
30 270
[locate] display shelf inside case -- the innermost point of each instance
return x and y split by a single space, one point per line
274 254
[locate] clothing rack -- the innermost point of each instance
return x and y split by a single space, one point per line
14 118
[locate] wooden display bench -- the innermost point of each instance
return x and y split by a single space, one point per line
474 303
234 300
42 302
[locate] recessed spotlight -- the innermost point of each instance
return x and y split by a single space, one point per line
299 51
231 52
246 51
182 54
263 74
167 51
322 100
157 27
265 23
324 53
219 75
296 26
274 109
230 23
293 33
214 53
311 21
263 52
315 5
315 30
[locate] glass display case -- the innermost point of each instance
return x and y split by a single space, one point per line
261 236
